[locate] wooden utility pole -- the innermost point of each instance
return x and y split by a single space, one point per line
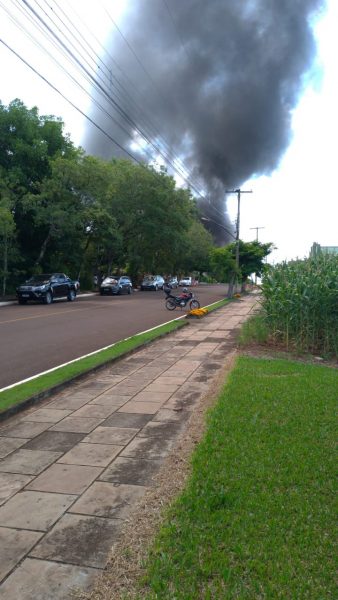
257 231
238 192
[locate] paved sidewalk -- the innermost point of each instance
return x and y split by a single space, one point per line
72 469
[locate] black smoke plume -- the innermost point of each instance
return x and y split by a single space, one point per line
216 79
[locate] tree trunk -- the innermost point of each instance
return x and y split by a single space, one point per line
83 257
231 286
44 247
5 266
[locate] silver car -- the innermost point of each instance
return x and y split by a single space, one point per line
152 282
116 285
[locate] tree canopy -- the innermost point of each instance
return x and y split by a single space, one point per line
61 210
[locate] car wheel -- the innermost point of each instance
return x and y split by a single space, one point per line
48 299
170 304
129 290
156 288
71 296
22 300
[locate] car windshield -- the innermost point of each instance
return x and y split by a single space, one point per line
149 278
110 279
39 278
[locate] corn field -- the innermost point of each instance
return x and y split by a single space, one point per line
300 301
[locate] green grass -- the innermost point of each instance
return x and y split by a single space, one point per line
218 304
24 391
254 330
256 519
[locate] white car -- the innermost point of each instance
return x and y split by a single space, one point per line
185 281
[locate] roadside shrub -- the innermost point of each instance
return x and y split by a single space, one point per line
300 299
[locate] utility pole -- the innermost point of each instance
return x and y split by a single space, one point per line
238 192
257 228
257 231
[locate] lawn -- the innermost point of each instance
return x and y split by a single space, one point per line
256 518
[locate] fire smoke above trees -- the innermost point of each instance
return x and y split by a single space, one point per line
219 79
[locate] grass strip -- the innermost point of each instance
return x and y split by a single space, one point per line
219 304
26 390
256 518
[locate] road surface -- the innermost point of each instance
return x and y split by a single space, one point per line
37 337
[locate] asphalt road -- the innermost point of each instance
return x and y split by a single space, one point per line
37 337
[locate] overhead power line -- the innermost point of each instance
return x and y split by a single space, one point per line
95 80
99 85
69 101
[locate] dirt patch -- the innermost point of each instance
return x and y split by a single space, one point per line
124 568
272 352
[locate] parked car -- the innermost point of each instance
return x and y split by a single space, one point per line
172 282
46 288
152 282
185 281
116 284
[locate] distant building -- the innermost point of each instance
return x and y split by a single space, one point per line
318 249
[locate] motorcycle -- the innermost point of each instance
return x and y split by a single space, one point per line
181 301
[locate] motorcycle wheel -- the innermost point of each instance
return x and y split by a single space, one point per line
170 304
194 304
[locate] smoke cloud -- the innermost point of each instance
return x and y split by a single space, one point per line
217 80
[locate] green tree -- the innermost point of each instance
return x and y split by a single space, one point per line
251 260
199 245
7 236
29 142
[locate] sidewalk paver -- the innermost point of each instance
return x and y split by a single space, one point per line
72 469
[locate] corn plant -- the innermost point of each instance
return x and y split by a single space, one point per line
300 300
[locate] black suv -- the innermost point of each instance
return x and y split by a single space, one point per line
46 287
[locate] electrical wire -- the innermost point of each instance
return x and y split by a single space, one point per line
108 96
169 154
69 101
89 77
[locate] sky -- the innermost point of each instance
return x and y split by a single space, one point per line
293 207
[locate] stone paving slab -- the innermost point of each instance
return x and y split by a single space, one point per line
14 545
72 469
8 445
145 447
47 415
45 580
28 462
127 420
77 424
65 479
11 483
97 411
34 510
93 455
79 540
135 471
55 441
23 429
112 400
108 500
111 435
140 407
